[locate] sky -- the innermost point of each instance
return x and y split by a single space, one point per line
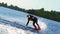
35 4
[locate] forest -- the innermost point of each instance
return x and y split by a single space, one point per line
53 15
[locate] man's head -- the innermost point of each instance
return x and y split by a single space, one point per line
29 16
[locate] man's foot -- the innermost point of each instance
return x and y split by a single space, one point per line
35 28
39 28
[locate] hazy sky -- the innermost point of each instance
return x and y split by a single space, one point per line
35 4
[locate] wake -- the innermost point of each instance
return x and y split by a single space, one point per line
15 24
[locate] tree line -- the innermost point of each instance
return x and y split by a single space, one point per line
53 15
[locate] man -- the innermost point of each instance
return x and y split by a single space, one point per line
35 21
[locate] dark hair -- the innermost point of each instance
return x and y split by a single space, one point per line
29 15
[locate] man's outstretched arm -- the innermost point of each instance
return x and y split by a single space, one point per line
27 22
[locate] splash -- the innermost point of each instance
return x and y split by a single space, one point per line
43 25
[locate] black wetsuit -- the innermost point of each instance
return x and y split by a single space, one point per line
34 19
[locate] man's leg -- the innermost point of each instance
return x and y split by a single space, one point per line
38 25
34 25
